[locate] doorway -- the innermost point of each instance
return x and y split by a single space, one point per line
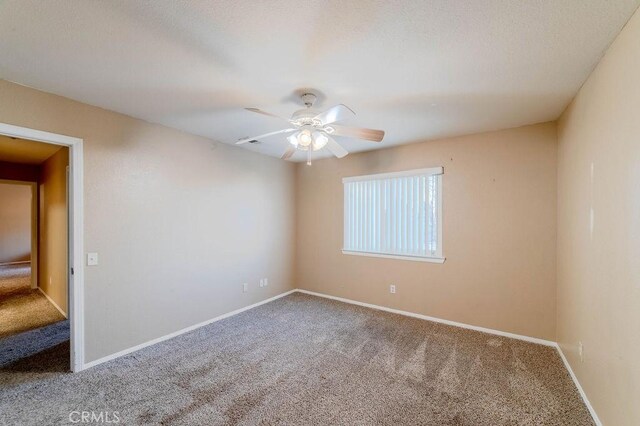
60 281
25 305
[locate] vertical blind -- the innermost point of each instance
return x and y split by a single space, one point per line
394 213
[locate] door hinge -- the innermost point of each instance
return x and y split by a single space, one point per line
71 271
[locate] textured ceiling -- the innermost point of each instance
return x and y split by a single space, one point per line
13 150
417 69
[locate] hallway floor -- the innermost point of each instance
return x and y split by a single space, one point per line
21 307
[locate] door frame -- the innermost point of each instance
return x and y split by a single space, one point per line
75 202
33 211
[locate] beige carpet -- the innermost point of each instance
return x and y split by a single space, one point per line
21 307
303 360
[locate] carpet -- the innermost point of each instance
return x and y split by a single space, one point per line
21 307
37 341
304 360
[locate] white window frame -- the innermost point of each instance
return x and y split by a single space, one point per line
438 257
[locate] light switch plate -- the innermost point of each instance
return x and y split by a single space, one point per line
92 259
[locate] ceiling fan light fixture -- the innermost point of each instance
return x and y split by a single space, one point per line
293 139
319 140
304 138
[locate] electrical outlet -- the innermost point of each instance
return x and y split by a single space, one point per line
392 289
266 282
261 282
245 287
581 351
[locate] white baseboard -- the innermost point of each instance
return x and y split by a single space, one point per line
55 305
15 263
580 390
179 332
367 305
434 319
476 328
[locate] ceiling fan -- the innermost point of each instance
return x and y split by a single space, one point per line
312 131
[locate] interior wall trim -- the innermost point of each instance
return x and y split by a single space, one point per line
534 340
55 305
434 319
475 328
580 390
15 263
182 331
75 267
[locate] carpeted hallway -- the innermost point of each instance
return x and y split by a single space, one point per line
21 307
306 360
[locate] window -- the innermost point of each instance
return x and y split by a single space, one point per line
397 215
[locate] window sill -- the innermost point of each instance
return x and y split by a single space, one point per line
395 256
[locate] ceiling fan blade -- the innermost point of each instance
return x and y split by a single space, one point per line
259 111
288 153
355 132
336 113
245 140
335 148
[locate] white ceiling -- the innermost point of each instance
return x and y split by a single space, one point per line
417 69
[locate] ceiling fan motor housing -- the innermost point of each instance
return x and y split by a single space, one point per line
308 99
304 113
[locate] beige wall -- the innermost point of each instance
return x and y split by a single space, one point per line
15 223
52 228
499 198
599 258
179 222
